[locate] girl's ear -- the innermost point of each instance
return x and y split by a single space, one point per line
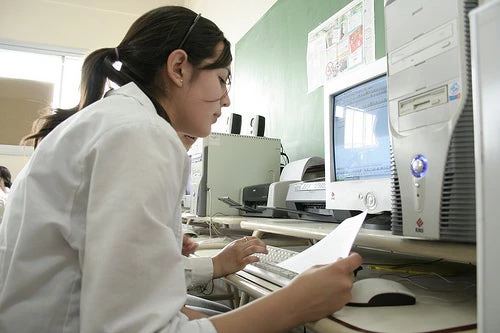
177 66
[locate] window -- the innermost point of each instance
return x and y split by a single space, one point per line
61 68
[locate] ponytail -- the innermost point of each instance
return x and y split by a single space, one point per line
96 69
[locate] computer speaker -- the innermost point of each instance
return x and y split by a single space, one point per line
258 125
234 123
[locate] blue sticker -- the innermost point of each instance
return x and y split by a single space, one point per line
454 88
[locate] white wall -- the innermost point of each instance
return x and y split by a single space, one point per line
233 17
77 24
91 24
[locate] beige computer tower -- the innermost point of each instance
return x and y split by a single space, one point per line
222 164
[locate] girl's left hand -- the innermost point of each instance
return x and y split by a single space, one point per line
188 246
236 255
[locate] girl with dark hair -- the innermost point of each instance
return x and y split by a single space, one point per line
91 236
5 184
5 179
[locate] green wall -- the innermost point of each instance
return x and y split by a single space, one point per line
270 73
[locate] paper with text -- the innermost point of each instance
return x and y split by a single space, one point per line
337 244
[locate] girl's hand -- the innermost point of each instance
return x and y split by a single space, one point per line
236 255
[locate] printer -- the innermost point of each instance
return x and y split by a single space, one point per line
257 197
269 199
306 199
297 194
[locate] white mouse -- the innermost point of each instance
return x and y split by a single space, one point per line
380 292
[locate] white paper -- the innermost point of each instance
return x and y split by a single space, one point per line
337 244
316 59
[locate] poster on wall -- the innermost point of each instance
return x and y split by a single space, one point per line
344 41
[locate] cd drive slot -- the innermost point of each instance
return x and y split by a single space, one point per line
424 47
423 101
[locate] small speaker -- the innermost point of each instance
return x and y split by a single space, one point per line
234 123
258 125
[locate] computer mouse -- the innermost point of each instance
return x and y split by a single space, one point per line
380 292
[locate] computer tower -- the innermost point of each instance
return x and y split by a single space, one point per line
431 119
223 164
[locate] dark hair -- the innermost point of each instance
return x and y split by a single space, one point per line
142 53
45 124
5 175
145 48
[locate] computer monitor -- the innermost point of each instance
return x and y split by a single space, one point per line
357 141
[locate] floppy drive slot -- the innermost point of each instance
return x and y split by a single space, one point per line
423 101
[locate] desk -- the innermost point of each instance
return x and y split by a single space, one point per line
452 314
230 221
375 239
455 315
447 316
213 237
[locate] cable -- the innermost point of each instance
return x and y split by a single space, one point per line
284 160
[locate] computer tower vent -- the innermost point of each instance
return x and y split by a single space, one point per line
458 203
458 197
396 209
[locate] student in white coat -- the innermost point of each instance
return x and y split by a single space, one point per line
91 237
199 270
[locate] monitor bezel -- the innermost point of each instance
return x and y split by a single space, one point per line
352 194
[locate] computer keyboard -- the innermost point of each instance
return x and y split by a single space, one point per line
268 269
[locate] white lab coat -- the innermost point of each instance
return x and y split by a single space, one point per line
91 236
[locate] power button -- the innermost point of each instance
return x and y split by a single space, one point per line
418 166
370 200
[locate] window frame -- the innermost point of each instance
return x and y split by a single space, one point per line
63 52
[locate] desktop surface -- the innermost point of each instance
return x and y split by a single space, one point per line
445 296
436 310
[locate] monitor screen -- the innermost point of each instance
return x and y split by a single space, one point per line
360 132
357 140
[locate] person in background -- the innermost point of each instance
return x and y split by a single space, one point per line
91 238
5 184
5 179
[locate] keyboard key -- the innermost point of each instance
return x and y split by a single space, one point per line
267 268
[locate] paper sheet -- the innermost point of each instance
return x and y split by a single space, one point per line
337 244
